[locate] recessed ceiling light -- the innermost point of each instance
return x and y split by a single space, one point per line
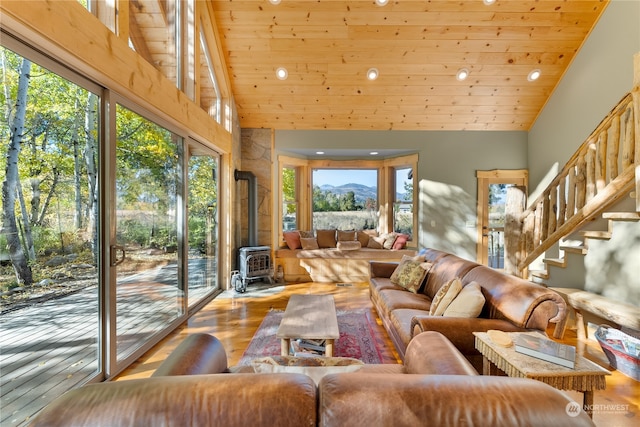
372 73
382 2
488 2
534 75
281 73
274 1
319 152
462 74
374 153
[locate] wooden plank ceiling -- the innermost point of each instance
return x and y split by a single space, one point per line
327 46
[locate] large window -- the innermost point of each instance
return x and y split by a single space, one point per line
346 199
403 201
289 199
146 230
94 258
202 217
348 194
49 244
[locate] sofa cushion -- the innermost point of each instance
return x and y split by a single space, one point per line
309 243
445 295
468 303
410 274
326 238
348 245
363 237
292 238
401 319
391 299
445 268
346 236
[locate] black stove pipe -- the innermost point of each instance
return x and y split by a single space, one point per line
253 203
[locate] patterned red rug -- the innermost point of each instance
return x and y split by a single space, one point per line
357 338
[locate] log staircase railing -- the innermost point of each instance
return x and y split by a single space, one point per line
604 169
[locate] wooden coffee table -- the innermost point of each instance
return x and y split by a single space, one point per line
310 317
585 377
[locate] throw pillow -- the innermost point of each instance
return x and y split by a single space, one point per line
396 272
306 234
363 238
346 236
309 243
445 295
468 303
326 238
292 238
400 242
375 242
348 246
410 275
389 239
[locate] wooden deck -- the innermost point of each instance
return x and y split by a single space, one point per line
52 347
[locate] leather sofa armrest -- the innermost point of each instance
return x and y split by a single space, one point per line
442 400
460 330
432 353
382 268
197 354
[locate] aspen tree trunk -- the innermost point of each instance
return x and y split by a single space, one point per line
19 261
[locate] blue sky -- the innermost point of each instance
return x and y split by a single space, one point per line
338 177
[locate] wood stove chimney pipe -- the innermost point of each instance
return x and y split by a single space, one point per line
253 203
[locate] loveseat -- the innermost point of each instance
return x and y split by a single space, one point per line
501 301
193 387
335 255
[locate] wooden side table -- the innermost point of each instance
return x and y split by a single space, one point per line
586 377
309 317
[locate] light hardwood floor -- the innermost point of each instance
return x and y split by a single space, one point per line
234 318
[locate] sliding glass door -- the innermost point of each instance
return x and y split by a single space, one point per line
148 289
202 217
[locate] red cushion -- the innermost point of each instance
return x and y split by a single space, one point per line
401 241
293 239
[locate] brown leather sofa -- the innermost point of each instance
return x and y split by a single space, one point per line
189 389
512 304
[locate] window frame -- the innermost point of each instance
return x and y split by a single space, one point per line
386 189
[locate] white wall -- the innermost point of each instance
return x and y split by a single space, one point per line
598 77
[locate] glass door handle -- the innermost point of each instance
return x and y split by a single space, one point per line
113 255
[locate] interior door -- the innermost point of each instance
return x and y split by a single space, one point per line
492 190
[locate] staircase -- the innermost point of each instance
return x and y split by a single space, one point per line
582 203
581 236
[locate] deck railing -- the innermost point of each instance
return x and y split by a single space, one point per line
601 172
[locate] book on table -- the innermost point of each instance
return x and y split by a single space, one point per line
546 349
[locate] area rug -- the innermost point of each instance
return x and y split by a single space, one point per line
357 338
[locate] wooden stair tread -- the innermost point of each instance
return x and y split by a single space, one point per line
540 274
580 250
622 216
604 235
558 262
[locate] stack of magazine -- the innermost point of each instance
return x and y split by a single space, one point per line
546 349
306 347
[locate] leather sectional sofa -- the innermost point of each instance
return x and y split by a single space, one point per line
436 386
511 304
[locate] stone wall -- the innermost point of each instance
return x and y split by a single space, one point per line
256 157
